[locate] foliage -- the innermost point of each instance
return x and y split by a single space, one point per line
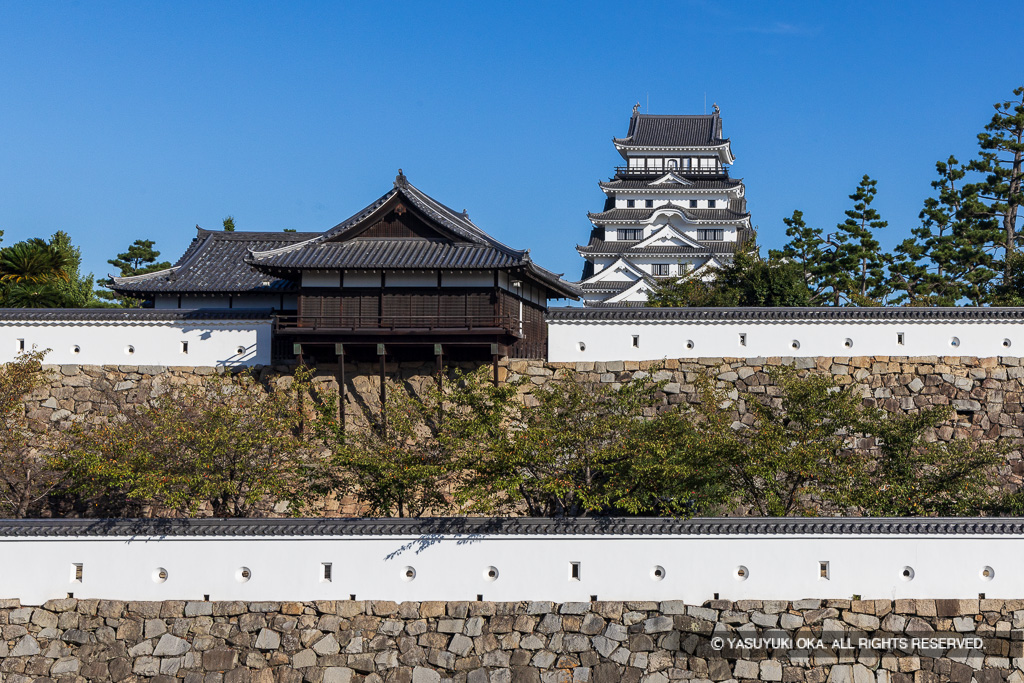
40 274
229 445
808 451
912 477
964 251
26 479
857 253
747 280
806 251
788 457
946 259
406 459
587 449
140 258
1002 161
229 224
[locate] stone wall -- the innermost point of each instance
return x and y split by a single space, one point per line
521 642
987 393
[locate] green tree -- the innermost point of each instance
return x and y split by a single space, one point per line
807 249
26 478
948 258
748 280
40 274
857 255
1001 194
229 224
789 457
140 258
408 459
584 449
228 446
910 476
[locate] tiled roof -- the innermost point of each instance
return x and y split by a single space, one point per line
793 314
721 184
128 315
215 262
691 214
392 254
606 286
341 248
598 246
520 526
650 130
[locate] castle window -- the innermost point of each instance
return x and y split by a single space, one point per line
649 203
630 203
659 269
712 203
711 235
629 233
693 203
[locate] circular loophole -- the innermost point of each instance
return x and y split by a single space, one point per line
1007 343
742 573
848 343
907 574
954 341
129 349
583 346
242 574
490 574
795 344
987 573
408 574
240 350
658 572
76 349
159 575
689 343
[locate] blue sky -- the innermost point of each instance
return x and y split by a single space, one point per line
128 120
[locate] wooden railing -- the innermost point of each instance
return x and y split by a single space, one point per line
623 171
396 322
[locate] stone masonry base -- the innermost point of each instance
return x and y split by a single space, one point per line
523 642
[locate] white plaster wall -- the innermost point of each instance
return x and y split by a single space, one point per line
613 340
362 279
318 279
467 279
209 344
423 279
529 568
171 301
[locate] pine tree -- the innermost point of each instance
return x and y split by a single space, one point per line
229 224
807 249
1001 194
857 261
947 259
140 258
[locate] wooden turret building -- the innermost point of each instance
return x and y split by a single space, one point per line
406 271
670 211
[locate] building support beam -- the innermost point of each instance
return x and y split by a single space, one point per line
339 351
381 353
494 360
439 372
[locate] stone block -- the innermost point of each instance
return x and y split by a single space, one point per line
220 659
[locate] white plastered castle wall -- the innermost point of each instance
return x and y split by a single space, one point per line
608 340
198 343
694 568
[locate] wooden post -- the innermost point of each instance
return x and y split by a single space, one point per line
339 350
383 388
297 350
494 360
439 371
